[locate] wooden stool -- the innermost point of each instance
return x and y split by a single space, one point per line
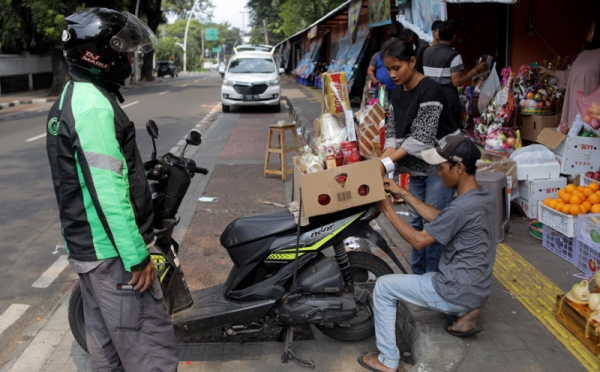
280 149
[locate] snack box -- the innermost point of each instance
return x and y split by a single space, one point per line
338 188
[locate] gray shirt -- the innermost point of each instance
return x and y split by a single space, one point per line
439 63
467 231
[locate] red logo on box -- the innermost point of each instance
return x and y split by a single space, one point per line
551 190
587 147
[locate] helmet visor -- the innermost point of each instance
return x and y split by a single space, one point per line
136 36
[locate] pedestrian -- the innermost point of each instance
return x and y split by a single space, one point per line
104 201
583 76
444 64
421 51
377 72
419 119
467 231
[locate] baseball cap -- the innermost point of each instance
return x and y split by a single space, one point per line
453 148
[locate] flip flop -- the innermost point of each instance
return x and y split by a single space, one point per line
478 328
370 366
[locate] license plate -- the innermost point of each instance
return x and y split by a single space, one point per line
253 97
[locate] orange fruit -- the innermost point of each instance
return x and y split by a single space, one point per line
561 192
594 186
588 191
587 204
570 187
576 200
596 208
575 210
584 209
581 188
548 200
566 209
566 197
594 198
553 203
559 206
580 194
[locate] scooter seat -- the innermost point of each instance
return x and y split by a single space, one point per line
259 226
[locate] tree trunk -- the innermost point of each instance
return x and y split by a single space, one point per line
147 67
60 72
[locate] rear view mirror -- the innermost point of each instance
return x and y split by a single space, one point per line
152 128
194 138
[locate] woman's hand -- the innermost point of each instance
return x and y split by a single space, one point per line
546 71
393 188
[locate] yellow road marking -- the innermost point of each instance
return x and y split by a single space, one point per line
538 294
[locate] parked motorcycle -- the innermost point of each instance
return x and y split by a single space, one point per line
280 276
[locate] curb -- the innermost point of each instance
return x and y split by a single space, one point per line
6 105
302 122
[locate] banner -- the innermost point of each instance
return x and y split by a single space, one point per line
422 14
379 13
353 15
347 56
309 60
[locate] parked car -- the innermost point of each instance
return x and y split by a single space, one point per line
164 68
251 79
222 68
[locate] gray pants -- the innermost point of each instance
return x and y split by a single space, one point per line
126 330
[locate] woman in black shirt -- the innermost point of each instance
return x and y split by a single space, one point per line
420 119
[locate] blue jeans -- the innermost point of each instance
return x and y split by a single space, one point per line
432 191
416 289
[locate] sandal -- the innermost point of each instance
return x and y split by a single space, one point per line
370 366
478 328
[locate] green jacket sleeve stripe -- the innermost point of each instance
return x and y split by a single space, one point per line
95 127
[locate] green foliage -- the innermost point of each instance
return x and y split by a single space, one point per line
13 22
181 9
269 10
299 14
48 18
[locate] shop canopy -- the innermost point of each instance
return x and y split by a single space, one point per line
418 15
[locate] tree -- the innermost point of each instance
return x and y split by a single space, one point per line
181 9
269 10
299 14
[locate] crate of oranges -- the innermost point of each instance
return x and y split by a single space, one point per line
561 213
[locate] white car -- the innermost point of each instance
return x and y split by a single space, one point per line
251 79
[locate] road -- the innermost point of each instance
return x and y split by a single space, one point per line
32 269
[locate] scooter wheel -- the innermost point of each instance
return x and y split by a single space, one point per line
76 320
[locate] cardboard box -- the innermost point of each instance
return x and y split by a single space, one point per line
532 125
575 154
538 171
342 195
533 191
500 164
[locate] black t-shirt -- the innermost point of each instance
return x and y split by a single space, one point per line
420 119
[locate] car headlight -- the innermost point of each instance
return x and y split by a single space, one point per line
228 82
273 83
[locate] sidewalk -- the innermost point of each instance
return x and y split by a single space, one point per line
520 330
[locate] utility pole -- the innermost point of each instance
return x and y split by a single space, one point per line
184 46
203 34
266 33
135 56
243 24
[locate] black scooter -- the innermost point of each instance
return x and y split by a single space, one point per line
281 277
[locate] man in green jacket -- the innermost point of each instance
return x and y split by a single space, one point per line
103 196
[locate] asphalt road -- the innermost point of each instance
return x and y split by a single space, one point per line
32 269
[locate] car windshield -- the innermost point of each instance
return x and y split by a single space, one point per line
252 65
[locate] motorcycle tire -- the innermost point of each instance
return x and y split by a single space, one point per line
76 320
359 261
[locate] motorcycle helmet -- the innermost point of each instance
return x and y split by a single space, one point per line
99 40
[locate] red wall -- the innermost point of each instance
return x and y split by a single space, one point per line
562 23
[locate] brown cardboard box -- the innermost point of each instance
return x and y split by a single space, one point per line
532 125
342 196
575 154
503 165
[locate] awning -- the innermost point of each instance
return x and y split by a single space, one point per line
343 8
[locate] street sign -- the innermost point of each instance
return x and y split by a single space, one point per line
212 34
217 49
206 51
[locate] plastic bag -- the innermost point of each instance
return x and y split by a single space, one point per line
332 131
589 107
489 89
534 154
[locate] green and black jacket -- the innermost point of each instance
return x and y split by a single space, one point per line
103 196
